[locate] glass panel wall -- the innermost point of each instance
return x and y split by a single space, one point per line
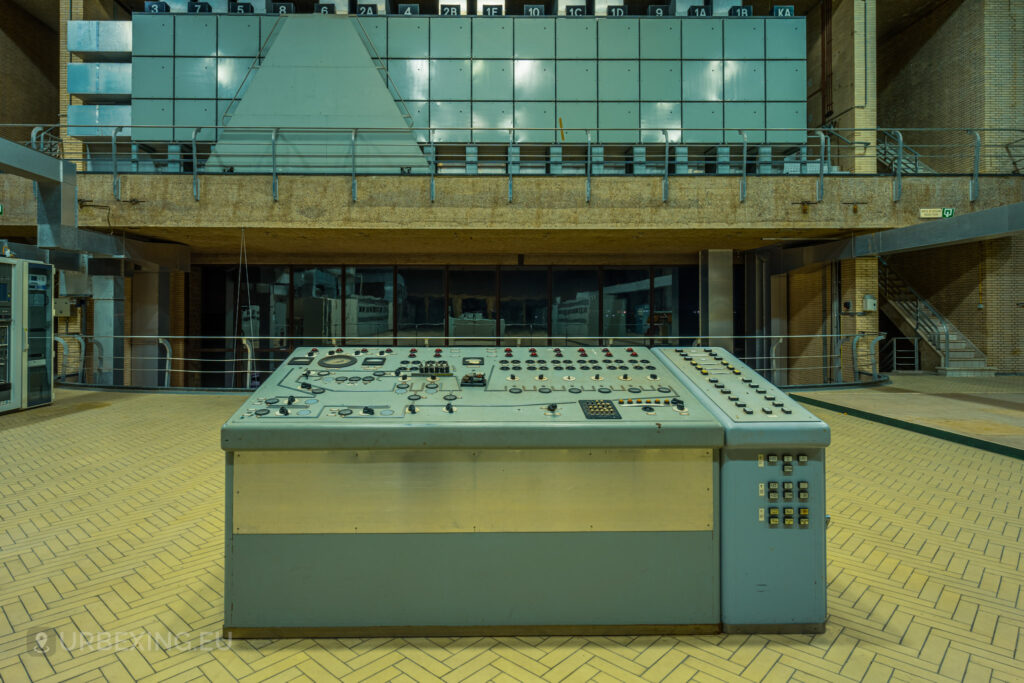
627 305
421 308
664 322
317 305
575 306
369 298
524 306
255 306
472 299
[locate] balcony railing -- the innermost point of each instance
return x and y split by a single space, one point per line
518 152
242 363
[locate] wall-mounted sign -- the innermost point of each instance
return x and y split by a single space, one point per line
937 213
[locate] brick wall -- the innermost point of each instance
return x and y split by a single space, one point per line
960 278
29 72
858 278
958 67
808 290
177 327
854 90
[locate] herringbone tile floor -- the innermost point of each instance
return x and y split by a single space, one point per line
111 538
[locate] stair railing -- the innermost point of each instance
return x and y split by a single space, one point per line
927 321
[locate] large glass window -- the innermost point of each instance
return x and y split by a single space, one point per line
524 306
664 322
369 295
575 308
317 305
472 298
627 305
420 306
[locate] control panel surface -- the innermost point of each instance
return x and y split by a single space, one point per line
520 397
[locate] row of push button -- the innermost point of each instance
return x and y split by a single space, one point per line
788 518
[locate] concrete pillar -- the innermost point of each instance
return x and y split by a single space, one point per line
855 82
716 311
150 309
108 328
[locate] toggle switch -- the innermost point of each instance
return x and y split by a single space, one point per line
367 410
449 408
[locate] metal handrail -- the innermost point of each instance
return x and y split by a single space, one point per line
937 335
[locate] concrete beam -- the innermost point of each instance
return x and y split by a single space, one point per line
28 163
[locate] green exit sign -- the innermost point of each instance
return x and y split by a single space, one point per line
937 213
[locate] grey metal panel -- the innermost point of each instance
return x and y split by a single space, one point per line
195 114
660 38
575 38
618 80
703 81
152 113
786 81
535 115
492 38
153 77
492 80
786 115
702 38
269 25
744 38
702 115
492 115
576 80
576 115
408 37
450 37
153 34
655 116
449 79
411 77
195 35
97 120
746 116
534 37
445 116
195 78
103 79
376 31
618 115
660 80
618 38
534 79
231 71
100 39
785 38
479 579
238 35
744 80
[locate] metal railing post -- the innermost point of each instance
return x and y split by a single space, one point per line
664 177
273 163
81 358
917 356
113 162
64 356
853 350
195 165
508 162
821 165
354 133
975 188
874 356
247 345
897 187
433 162
743 163
167 368
588 167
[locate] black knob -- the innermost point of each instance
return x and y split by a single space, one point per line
512 377
367 410
305 385
291 400
449 408
282 410
413 410
552 407
306 373
541 377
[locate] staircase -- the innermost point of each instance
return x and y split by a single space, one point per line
910 163
915 317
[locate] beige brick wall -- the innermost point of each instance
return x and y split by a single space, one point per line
808 291
28 71
957 69
978 288
177 327
854 89
858 278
